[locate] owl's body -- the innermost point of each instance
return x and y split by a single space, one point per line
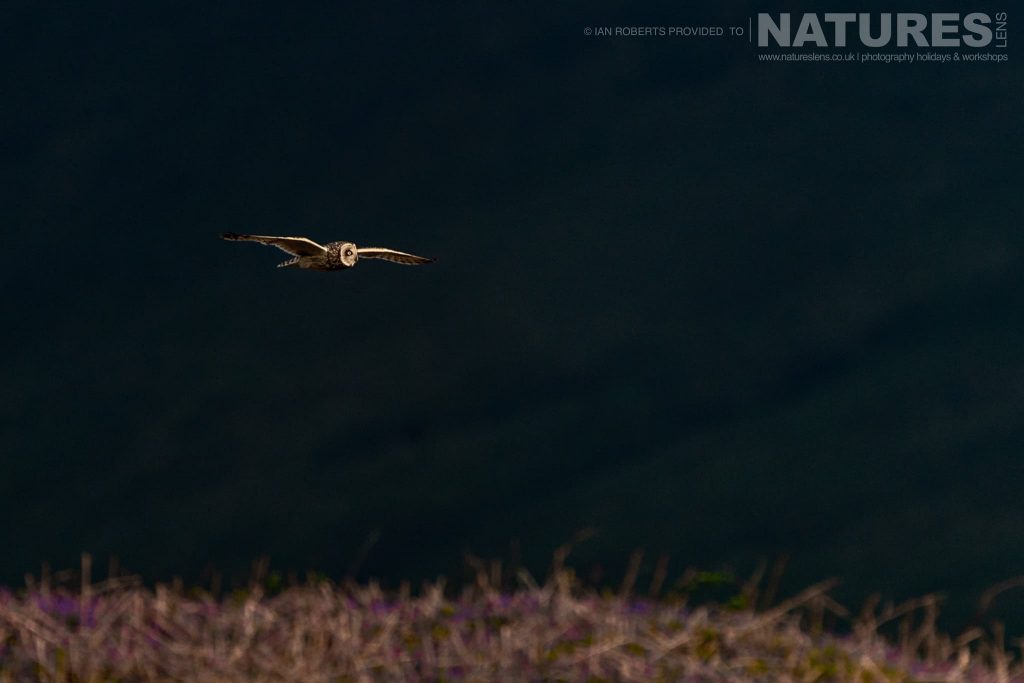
331 256
336 256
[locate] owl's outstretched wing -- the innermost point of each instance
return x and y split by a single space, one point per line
296 246
393 256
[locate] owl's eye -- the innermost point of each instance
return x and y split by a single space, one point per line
348 252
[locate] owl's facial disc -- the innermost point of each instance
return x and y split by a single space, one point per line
348 254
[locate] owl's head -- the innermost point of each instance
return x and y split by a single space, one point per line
349 256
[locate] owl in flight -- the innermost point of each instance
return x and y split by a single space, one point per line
331 256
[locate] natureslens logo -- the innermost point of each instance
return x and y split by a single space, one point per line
902 29
842 37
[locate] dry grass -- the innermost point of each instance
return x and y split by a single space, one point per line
119 630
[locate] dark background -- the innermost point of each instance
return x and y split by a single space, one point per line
707 306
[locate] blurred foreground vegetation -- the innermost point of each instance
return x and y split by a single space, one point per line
67 628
